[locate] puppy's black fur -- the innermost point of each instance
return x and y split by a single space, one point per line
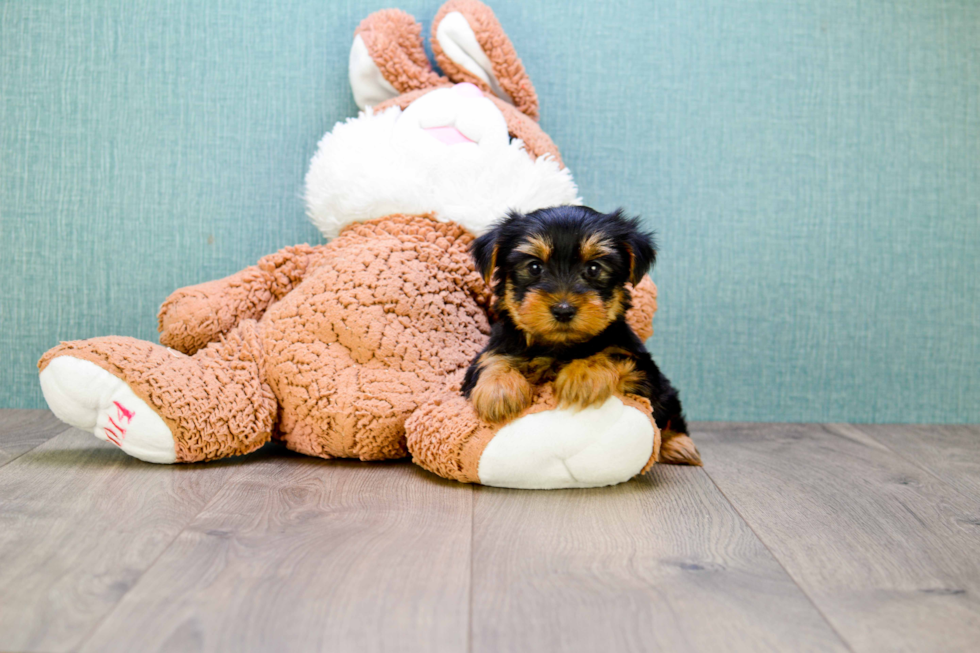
560 278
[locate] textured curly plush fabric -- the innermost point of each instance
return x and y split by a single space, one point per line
329 348
391 308
215 403
192 317
507 67
337 349
640 317
394 41
352 336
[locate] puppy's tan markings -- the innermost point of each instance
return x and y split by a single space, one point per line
593 315
537 246
616 307
590 381
630 379
488 277
533 317
594 246
510 306
540 369
501 393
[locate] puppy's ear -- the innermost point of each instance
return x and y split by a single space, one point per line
642 249
484 250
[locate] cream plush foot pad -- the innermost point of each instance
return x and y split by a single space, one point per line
86 396
565 448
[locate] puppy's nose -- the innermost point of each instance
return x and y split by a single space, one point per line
563 311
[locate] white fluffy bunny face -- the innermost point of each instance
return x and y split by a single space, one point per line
448 153
457 115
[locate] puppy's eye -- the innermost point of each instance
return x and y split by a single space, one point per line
593 270
534 269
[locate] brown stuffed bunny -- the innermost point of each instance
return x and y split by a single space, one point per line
333 348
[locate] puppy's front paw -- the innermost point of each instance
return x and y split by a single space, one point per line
501 395
585 382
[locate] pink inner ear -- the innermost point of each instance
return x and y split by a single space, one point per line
449 135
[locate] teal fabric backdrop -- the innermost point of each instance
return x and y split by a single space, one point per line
812 168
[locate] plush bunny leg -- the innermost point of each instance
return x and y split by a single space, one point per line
546 448
83 394
160 405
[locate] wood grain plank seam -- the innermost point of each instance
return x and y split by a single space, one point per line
7 462
917 465
91 633
779 562
474 491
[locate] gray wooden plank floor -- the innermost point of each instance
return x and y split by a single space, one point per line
662 563
889 553
309 555
792 537
79 524
951 453
22 430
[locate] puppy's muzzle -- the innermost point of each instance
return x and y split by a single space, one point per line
563 312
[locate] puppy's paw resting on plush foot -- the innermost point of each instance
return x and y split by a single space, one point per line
590 381
679 449
84 395
501 393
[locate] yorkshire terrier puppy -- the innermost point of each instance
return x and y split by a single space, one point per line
559 279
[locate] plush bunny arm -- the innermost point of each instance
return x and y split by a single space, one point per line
640 317
194 316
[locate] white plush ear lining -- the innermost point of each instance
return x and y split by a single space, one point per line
366 81
458 41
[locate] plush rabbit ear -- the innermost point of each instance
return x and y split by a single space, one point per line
388 59
471 46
